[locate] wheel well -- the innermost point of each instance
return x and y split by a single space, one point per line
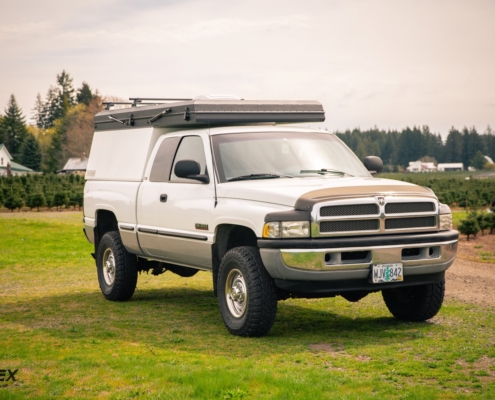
227 237
105 222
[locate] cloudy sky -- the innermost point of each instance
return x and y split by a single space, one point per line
386 63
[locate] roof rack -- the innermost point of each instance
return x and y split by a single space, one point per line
183 113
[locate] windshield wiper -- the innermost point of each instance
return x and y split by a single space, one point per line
253 176
324 171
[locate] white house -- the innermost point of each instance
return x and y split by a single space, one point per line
449 167
6 159
420 166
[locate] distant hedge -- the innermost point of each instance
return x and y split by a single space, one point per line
35 191
58 191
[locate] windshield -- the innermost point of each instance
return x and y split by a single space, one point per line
283 154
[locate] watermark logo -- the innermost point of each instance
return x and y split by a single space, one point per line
7 375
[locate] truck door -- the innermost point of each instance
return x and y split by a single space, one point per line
175 214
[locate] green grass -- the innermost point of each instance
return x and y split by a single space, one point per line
169 340
457 216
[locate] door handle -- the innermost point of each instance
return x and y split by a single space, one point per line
163 198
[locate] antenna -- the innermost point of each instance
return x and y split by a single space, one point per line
214 172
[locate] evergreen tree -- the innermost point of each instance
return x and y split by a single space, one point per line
85 95
490 219
39 112
411 145
59 100
51 109
67 92
453 146
13 201
2 139
489 139
60 199
471 144
469 226
31 153
478 161
13 128
36 200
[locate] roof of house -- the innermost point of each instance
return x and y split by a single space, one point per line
450 165
488 159
14 167
76 164
2 146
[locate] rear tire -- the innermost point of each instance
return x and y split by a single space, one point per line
415 303
247 295
117 272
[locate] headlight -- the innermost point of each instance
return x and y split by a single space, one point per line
286 229
445 218
446 222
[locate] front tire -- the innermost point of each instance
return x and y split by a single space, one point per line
415 303
117 272
247 295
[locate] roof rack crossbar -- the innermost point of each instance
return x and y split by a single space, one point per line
109 104
140 100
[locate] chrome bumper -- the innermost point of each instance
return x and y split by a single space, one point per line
355 262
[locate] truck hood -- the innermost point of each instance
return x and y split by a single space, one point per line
302 193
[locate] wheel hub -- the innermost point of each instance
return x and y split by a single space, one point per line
109 267
236 293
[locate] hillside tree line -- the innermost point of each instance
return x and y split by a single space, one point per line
63 126
397 148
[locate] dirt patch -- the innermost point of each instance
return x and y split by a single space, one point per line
468 279
327 347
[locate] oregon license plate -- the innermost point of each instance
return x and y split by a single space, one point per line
387 273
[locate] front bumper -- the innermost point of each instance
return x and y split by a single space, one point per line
303 264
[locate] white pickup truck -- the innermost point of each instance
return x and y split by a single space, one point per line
272 210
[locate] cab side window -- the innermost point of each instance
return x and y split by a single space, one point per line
190 148
162 165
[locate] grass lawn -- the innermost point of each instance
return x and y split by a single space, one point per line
169 341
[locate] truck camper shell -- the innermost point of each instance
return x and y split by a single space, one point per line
200 112
124 138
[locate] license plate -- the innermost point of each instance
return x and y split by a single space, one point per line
381 273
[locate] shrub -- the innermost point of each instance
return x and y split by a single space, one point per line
60 199
49 197
490 219
36 200
13 201
482 221
469 226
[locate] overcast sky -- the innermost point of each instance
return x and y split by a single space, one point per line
386 63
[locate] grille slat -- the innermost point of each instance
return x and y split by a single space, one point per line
406 208
349 210
349 226
410 223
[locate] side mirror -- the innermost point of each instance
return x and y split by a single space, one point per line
190 169
373 164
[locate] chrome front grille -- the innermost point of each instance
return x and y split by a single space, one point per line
350 225
377 215
406 208
348 210
410 223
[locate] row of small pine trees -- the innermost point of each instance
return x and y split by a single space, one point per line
477 221
36 191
